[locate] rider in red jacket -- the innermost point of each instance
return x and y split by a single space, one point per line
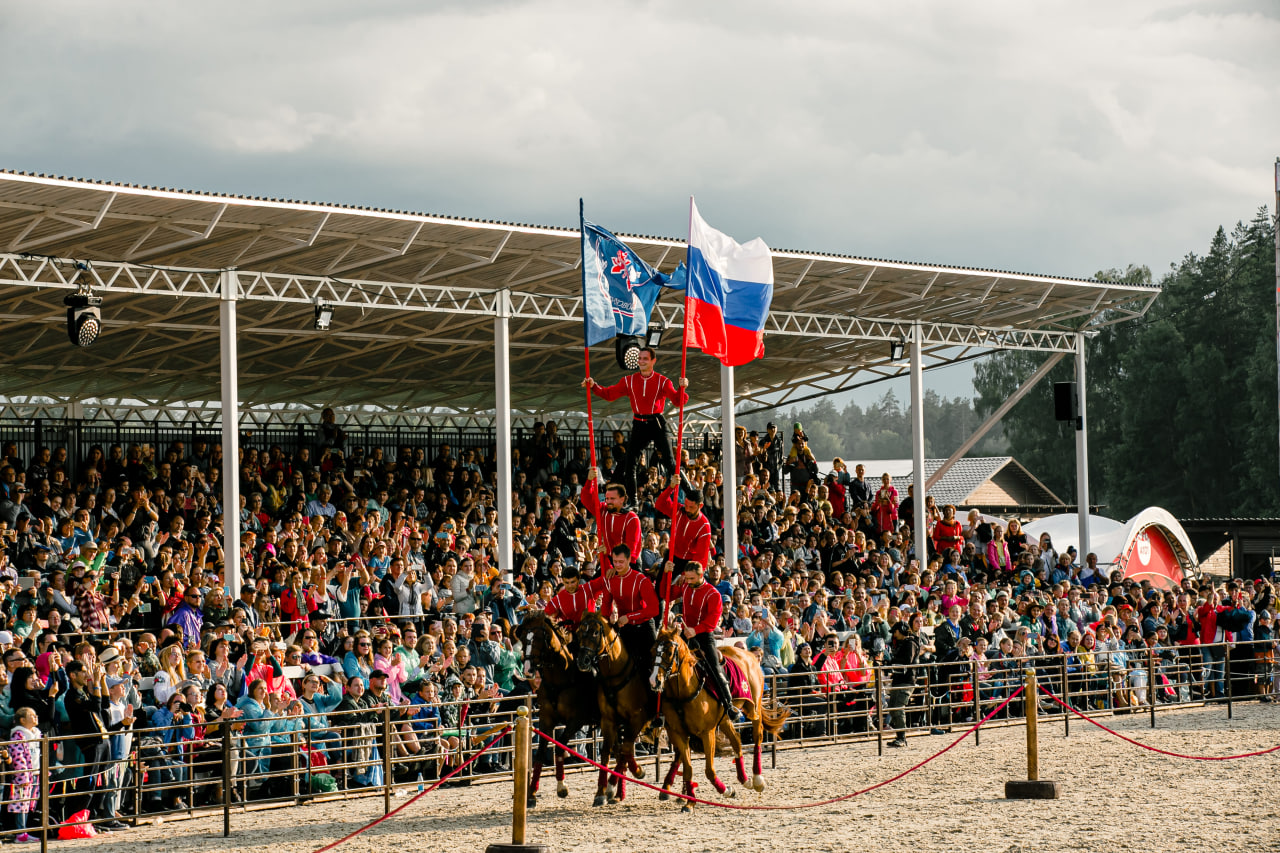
701 608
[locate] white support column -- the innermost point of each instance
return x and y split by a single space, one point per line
728 467
502 427
917 442
1082 452
230 286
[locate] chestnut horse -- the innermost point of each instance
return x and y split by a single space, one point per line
566 696
626 703
690 710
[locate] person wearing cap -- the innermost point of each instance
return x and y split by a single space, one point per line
648 392
701 607
772 453
905 654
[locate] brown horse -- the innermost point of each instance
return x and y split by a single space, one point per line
626 703
566 696
690 710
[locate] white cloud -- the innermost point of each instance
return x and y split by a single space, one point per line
1052 136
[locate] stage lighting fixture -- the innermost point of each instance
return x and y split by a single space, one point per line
84 318
324 315
654 335
628 351
896 350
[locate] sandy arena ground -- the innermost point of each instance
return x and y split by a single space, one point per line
1115 797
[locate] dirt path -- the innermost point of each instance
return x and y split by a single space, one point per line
1115 797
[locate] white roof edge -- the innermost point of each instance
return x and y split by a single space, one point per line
545 230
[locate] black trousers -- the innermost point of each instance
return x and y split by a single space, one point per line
646 430
705 644
638 640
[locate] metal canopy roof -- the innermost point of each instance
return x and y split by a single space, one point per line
415 296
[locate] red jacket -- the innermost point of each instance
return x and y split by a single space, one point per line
614 528
701 605
632 593
648 396
1207 616
690 537
568 607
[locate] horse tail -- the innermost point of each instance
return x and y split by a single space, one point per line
773 717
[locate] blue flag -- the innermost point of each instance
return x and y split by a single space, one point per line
618 288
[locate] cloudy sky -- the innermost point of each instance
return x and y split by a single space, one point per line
1054 137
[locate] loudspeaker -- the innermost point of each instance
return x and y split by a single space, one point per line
1064 401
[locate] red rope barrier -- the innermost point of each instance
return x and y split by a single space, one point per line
421 794
1157 749
840 799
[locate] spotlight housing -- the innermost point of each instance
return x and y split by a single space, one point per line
654 335
324 315
84 318
627 351
896 351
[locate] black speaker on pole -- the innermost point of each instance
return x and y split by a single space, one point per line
1064 401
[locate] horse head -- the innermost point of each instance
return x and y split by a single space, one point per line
592 638
543 644
668 656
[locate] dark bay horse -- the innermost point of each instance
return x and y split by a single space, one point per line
626 703
566 695
689 710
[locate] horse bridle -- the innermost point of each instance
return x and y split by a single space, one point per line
658 681
544 629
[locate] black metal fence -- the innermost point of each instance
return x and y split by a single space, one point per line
79 436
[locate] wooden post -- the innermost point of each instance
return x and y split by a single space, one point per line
1034 788
520 791
386 759
1031 702
1066 697
1226 672
773 749
879 711
520 764
977 704
44 795
227 781
1151 683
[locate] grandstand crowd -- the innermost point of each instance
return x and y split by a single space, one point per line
372 579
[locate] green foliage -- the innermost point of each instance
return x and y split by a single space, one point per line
882 430
1181 404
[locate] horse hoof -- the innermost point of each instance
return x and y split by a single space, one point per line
599 800
638 772
531 801
664 796
562 790
686 809
730 791
757 783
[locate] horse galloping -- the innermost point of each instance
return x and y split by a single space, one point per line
689 710
566 695
626 703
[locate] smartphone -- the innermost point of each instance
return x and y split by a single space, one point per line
149 579
145 607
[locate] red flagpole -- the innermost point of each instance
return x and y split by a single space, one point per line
591 426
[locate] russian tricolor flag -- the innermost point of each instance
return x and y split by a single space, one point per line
730 287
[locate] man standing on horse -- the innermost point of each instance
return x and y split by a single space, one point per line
615 524
690 529
648 392
701 608
637 604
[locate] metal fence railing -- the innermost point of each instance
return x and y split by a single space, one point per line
214 761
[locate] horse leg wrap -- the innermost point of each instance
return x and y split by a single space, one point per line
671 774
740 766
755 764
720 786
537 777
559 767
